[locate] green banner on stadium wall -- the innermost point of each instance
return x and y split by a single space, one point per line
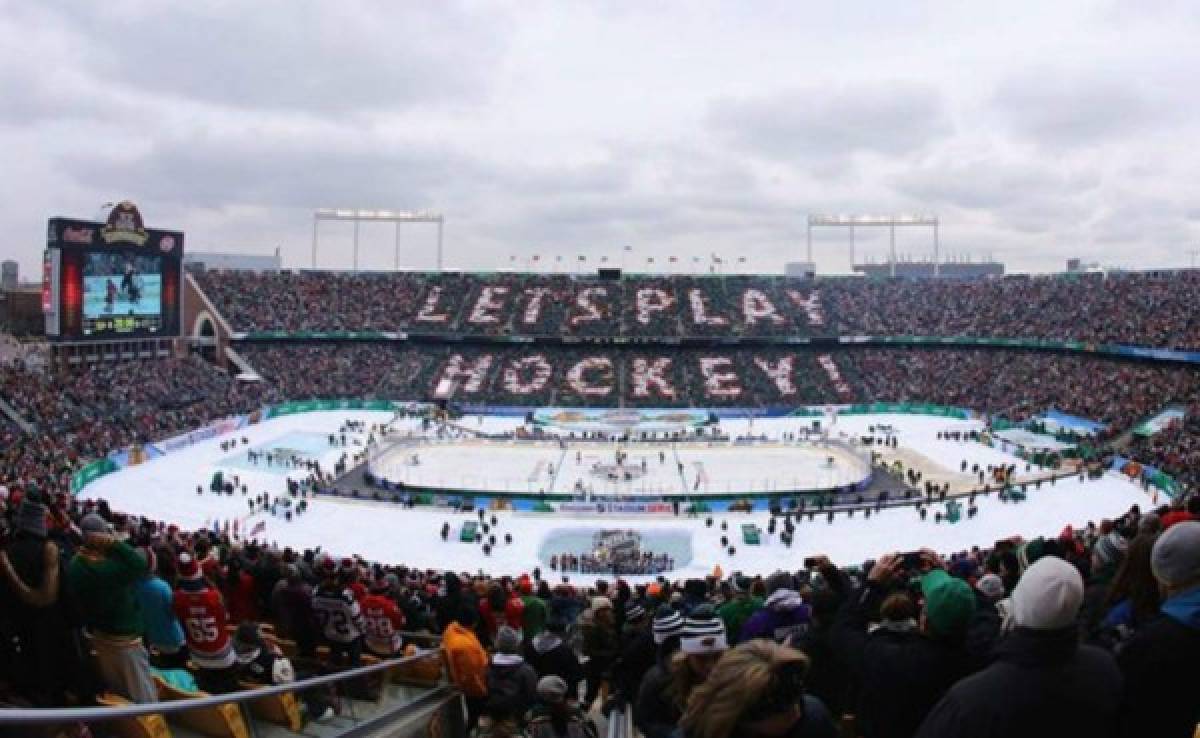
91 473
310 406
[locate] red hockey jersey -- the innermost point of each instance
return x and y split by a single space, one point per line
204 618
384 621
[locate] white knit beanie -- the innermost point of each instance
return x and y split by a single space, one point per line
1048 596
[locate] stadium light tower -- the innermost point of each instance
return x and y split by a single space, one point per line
875 221
396 217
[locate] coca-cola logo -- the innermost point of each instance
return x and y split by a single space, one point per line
78 235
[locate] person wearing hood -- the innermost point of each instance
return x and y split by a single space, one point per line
784 615
163 633
1159 699
739 608
511 683
902 673
549 655
1051 685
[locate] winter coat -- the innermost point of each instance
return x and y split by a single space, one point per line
157 601
983 630
512 687
1043 684
600 645
637 657
901 675
1160 697
466 660
736 612
103 588
549 655
655 713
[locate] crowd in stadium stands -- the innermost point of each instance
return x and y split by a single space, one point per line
1092 632
1014 384
1175 449
1138 308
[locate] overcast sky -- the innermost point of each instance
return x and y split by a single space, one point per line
1035 131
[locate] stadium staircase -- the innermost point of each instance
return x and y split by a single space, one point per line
242 364
11 413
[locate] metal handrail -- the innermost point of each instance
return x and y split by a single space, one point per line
98 714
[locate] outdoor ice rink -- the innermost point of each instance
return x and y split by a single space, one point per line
649 469
165 489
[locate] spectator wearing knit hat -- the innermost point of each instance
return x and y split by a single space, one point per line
511 683
903 673
533 617
1050 685
550 655
555 715
985 625
664 695
201 609
1160 700
637 655
101 578
665 632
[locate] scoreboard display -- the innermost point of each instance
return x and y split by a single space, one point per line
112 280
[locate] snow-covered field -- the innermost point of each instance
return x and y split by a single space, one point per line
165 488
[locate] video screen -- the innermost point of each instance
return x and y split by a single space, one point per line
121 283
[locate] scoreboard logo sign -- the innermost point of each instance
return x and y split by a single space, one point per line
124 225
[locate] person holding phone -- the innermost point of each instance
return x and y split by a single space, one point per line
903 673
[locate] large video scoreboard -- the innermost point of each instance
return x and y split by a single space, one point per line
113 280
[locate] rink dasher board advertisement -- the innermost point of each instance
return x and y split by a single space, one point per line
113 280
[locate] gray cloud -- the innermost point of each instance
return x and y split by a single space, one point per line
892 119
1058 110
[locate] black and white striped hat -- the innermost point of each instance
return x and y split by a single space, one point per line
667 622
703 632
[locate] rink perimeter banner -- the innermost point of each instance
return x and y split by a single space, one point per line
604 508
91 473
312 406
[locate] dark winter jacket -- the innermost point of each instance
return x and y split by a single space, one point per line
983 630
512 687
900 675
549 655
1043 684
655 713
637 657
600 645
1160 697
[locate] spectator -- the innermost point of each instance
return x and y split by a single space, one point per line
1051 685
757 689
556 716
783 616
199 606
43 642
339 616
600 645
664 696
901 674
102 577
1159 700
549 655
163 635
652 695
383 621
467 662
511 684
740 607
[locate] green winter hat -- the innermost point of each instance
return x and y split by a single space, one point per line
949 603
